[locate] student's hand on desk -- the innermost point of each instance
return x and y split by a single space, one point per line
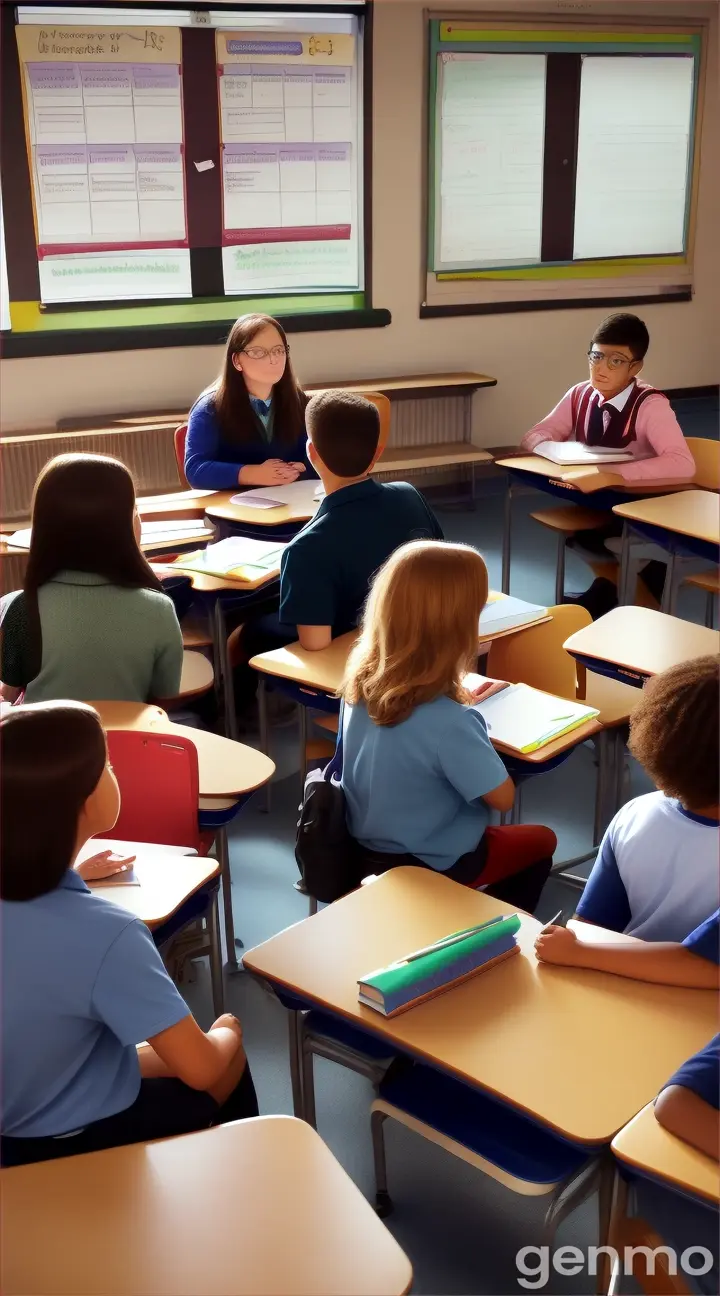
557 945
273 472
103 865
487 689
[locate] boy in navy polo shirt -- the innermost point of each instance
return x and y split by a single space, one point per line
656 875
328 567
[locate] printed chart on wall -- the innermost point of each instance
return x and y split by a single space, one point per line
490 125
289 110
104 126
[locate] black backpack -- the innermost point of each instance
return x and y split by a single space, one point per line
327 856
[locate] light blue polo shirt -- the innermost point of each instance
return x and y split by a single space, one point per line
415 787
657 874
82 984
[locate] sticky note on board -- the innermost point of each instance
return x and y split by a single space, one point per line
204 166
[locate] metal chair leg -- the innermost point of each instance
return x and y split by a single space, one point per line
308 1081
264 732
560 570
383 1202
216 967
294 1048
709 609
303 730
223 858
507 525
669 594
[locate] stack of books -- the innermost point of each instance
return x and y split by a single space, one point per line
438 967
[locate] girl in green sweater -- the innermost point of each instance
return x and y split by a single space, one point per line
91 621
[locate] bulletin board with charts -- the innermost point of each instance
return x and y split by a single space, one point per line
171 169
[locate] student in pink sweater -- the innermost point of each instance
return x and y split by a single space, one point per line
616 411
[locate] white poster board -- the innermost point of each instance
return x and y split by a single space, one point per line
633 155
490 133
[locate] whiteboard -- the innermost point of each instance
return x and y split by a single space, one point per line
4 294
633 155
490 127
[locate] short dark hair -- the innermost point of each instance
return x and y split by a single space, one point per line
345 430
675 731
52 755
622 329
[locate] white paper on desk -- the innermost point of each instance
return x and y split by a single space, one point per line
576 452
256 501
297 492
189 526
524 718
143 851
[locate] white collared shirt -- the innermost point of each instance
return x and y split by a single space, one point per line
619 401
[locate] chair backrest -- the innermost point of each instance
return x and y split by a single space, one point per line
536 656
706 454
159 787
179 439
383 405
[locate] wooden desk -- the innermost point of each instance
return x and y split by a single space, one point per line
257 1208
202 583
549 1040
411 387
196 678
167 876
632 643
302 507
686 524
227 769
571 483
176 504
648 1148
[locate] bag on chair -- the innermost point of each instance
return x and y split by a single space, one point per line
326 854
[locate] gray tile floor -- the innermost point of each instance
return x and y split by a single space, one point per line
461 1230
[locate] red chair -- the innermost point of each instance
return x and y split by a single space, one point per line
159 788
179 439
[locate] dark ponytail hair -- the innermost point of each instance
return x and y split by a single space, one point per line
52 755
232 401
82 520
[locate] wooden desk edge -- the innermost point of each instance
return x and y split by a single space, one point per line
367 1022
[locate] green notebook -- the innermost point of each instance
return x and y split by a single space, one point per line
433 969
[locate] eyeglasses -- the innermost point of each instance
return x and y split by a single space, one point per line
612 361
260 353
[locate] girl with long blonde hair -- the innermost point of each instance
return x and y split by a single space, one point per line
420 774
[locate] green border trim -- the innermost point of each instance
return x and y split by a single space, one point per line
16 346
451 34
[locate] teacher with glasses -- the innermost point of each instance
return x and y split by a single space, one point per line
248 428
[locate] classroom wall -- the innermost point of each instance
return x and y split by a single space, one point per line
535 356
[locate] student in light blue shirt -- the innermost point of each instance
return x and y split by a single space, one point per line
82 982
657 874
420 774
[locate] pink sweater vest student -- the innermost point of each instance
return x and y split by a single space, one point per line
604 425
646 427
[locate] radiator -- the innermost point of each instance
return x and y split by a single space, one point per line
149 453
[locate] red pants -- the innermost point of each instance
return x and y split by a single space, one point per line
511 863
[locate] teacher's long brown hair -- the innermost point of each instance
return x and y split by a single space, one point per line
83 516
232 401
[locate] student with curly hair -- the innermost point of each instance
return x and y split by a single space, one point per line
656 875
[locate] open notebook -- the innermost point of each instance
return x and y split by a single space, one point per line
238 557
576 452
507 613
526 719
142 852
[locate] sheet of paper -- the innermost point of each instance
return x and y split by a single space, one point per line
521 716
105 136
290 134
489 184
576 452
633 155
